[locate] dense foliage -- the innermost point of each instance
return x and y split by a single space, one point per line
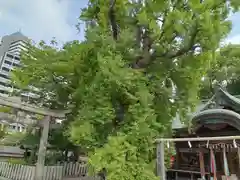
140 64
225 72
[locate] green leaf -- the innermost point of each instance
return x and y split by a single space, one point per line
123 95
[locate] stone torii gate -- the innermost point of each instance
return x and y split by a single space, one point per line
48 114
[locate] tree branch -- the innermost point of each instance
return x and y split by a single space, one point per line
165 16
112 18
189 47
138 36
145 60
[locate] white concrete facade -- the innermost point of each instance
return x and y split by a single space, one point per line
10 50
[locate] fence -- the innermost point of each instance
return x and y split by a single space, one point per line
74 169
25 172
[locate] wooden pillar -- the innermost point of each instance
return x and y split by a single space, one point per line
39 172
231 163
161 171
177 164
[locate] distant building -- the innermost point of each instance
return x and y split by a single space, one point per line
10 49
16 127
10 123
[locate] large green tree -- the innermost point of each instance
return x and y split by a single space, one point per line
225 71
141 62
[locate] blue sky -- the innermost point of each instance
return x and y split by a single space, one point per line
41 19
44 19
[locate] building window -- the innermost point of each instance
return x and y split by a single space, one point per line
17 58
5 69
2 83
9 55
5 84
7 62
18 42
14 49
3 92
11 63
4 76
16 65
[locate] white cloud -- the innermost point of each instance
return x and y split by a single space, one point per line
38 19
233 40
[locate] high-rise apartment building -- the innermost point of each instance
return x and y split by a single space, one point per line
11 47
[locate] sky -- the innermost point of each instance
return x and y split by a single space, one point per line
42 19
45 19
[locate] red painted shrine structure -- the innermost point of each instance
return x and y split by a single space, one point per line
220 116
